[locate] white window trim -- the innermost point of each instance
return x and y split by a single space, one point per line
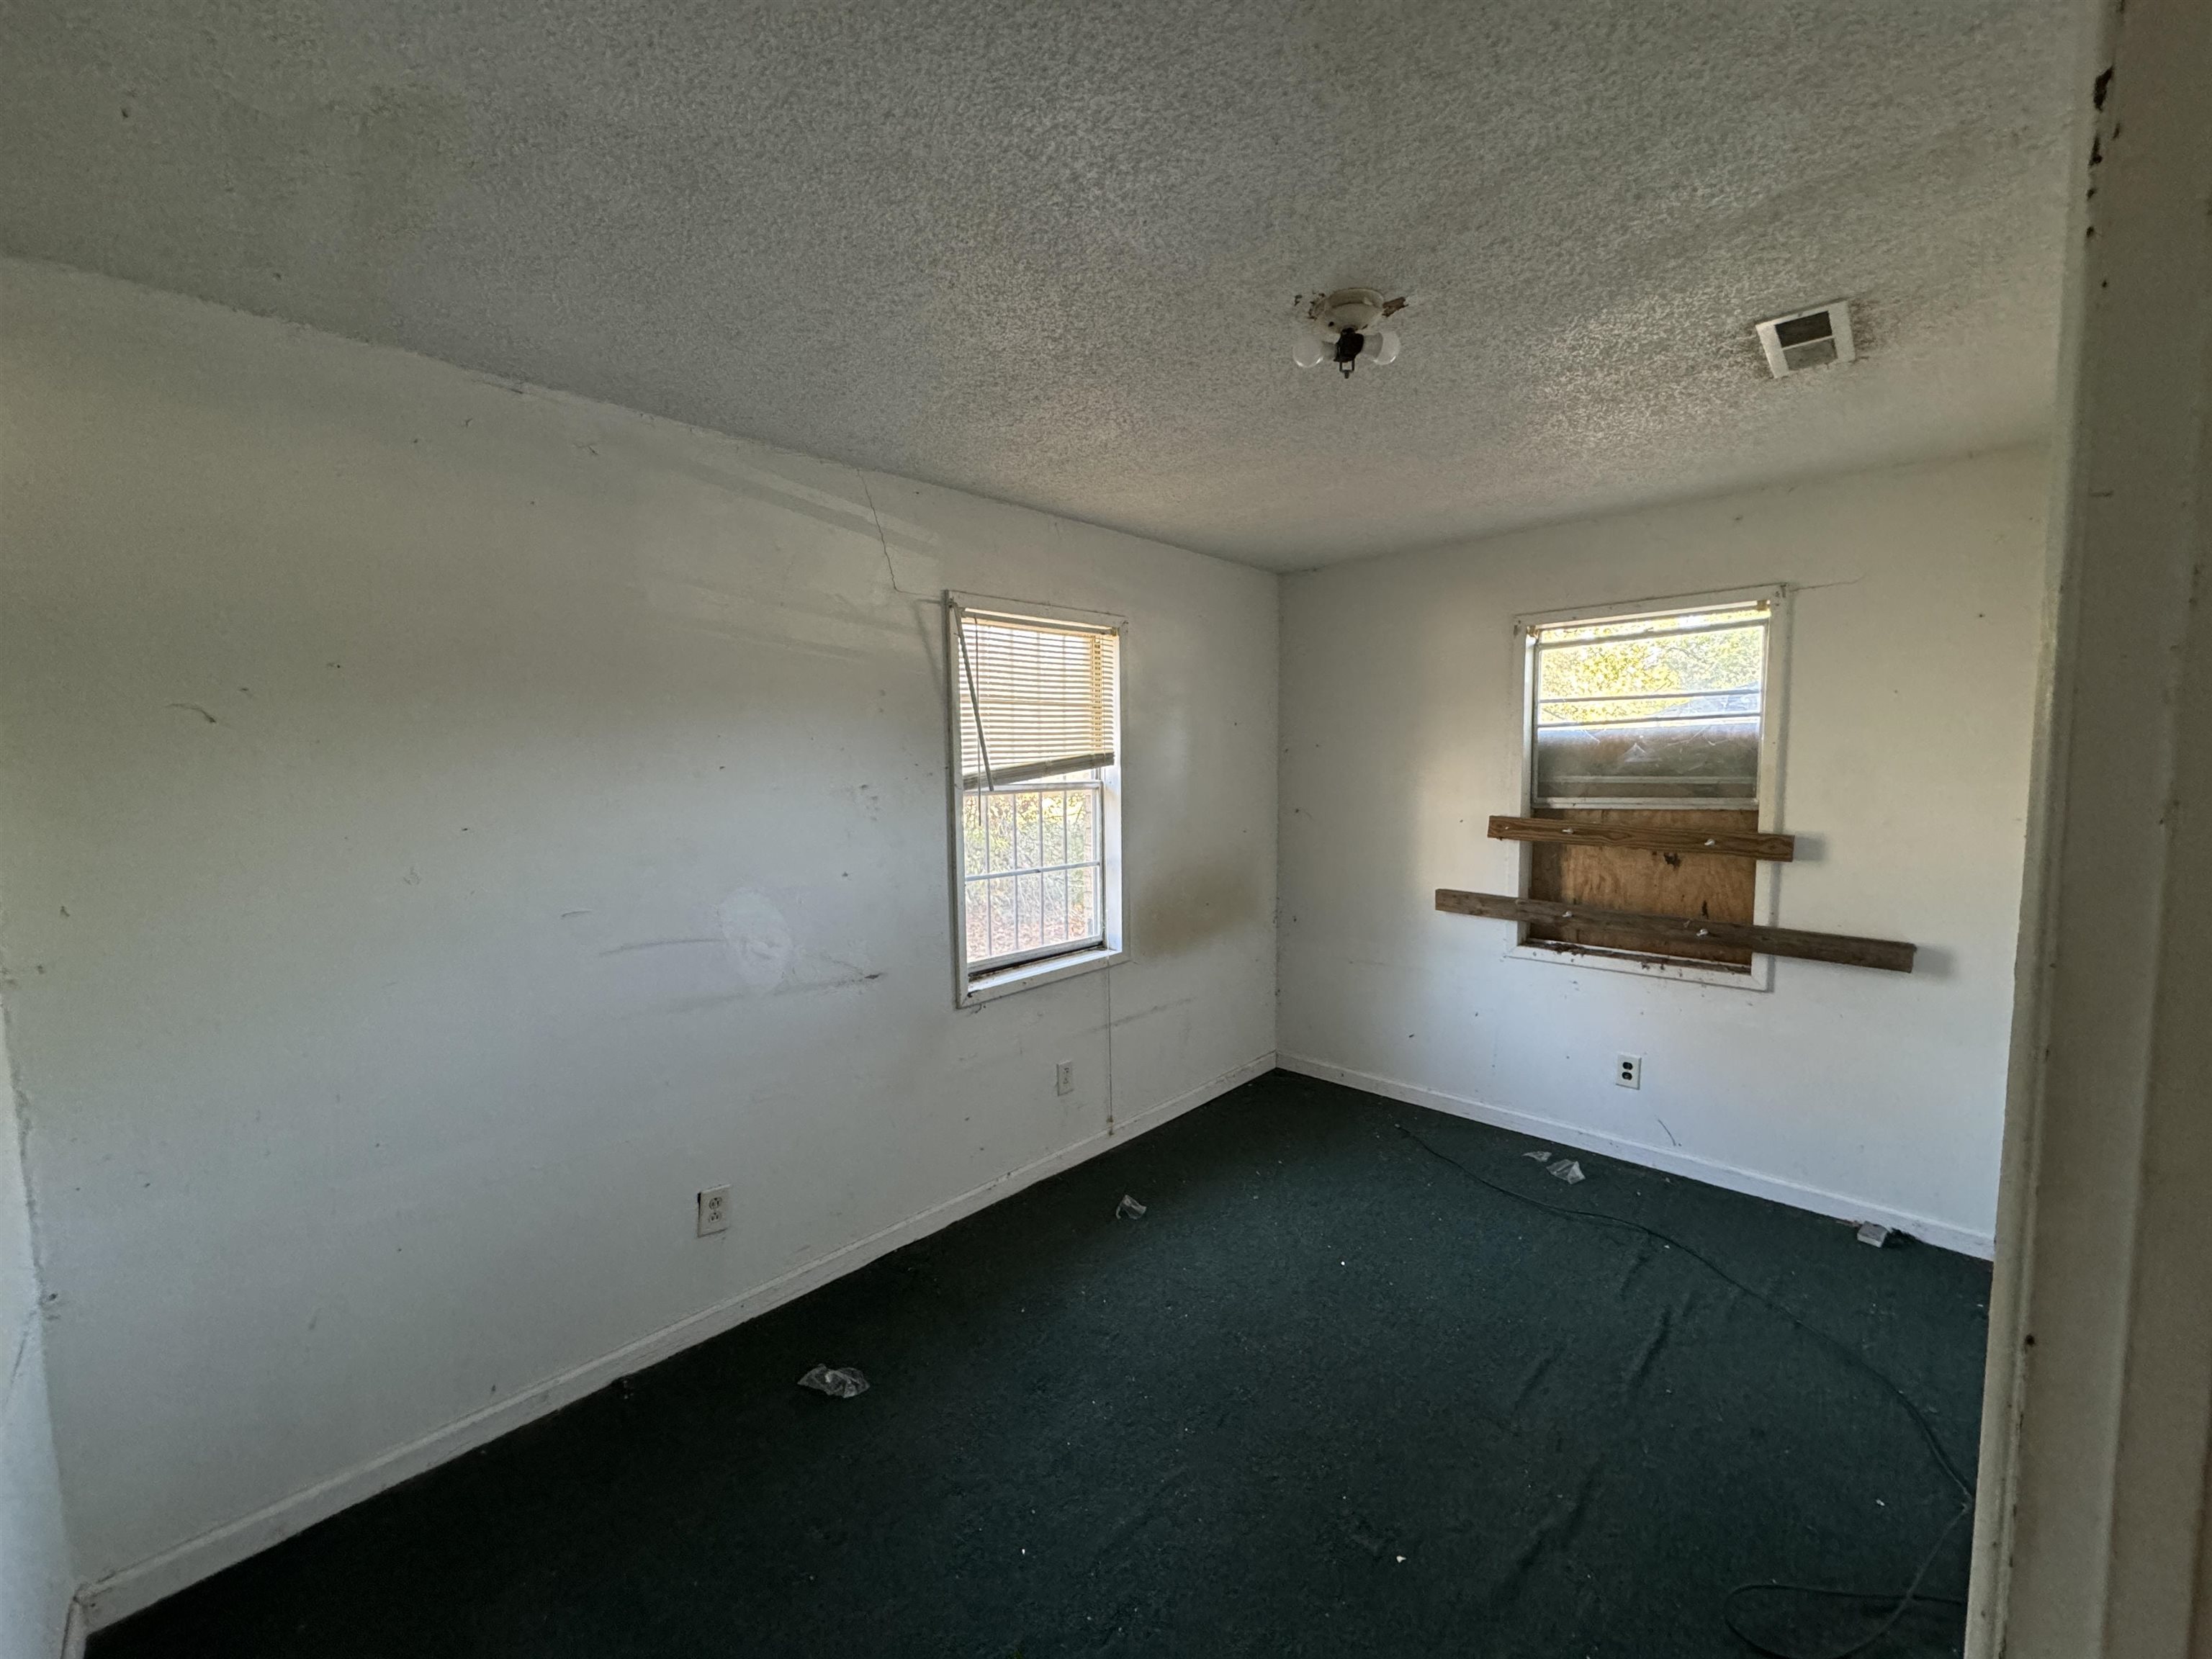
1773 718
1026 976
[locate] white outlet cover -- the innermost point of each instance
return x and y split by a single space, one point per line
1063 1078
1628 1070
713 1210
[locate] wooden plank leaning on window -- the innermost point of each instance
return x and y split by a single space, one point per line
1844 948
1649 838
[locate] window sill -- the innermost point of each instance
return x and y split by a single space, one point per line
1024 975
1760 977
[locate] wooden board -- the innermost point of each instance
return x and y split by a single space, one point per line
1845 948
1646 835
1700 886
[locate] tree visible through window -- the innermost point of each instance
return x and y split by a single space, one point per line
1651 711
1032 871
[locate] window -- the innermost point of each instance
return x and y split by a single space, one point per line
1035 706
1654 718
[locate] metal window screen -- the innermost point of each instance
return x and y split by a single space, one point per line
1650 711
1032 873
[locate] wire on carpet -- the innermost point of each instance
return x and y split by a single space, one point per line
1902 1601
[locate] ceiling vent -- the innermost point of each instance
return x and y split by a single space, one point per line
1807 339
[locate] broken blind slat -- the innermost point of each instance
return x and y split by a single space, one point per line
1036 699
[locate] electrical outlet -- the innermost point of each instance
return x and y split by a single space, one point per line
713 1210
1628 1070
1063 1078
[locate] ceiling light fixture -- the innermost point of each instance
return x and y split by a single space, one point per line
1346 328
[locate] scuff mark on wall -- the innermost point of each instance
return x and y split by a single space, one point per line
753 952
654 945
1157 1008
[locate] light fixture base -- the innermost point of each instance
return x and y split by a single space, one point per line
1348 329
1355 308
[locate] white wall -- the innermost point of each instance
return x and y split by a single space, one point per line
36 1580
445 825
1909 701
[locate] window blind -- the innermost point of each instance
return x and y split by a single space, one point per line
1036 699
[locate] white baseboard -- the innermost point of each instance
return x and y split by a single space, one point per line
1926 1228
74 1630
134 1588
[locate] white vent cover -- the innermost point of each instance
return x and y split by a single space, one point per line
1807 339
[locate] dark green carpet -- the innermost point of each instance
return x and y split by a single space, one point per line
1329 1396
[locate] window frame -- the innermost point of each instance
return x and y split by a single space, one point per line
1767 878
970 989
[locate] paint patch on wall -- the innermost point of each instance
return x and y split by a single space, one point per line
760 939
1187 907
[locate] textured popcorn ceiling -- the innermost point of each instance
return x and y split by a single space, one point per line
1047 251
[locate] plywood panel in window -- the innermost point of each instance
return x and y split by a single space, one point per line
1711 886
